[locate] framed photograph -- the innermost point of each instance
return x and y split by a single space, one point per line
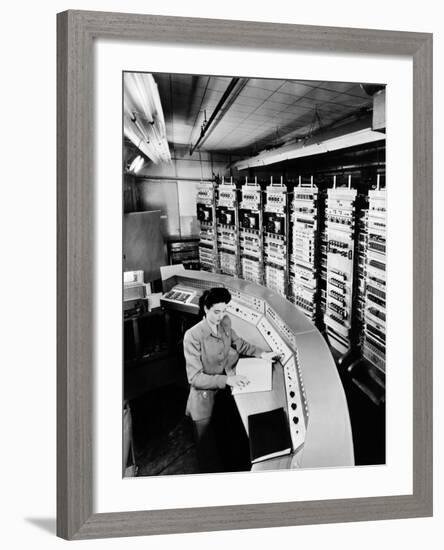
238 198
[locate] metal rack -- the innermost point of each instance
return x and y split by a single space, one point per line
304 258
276 232
375 291
250 233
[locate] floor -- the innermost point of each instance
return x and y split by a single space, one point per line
163 435
365 392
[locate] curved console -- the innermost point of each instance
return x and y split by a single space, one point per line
305 381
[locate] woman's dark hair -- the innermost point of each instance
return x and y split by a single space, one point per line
213 296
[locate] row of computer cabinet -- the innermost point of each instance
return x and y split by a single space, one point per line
324 251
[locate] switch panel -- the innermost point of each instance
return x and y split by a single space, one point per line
242 312
282 327
250 301
274 340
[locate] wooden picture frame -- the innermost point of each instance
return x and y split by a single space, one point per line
77 31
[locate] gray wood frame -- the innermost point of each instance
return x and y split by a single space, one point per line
77 31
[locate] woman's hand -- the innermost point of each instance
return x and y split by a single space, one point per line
237 381
270 355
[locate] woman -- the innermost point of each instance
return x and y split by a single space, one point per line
211 349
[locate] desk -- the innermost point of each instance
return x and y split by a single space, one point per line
328 439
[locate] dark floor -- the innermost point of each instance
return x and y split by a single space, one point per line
163 435
365 392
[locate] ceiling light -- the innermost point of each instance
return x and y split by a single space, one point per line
350 135
139 165
136 164
143 121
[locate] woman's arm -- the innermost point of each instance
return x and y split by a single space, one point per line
195 371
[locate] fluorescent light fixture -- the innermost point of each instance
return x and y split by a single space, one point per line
139 165
340 138
143 120
136 164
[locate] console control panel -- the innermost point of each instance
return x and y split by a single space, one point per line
296 403
274 340
238 309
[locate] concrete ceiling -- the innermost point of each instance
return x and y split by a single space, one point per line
258 113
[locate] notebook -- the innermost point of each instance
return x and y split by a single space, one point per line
258 372
269 435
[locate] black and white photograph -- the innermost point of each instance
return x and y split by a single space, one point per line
228 239
254 274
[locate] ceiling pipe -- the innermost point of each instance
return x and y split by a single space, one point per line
219 106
